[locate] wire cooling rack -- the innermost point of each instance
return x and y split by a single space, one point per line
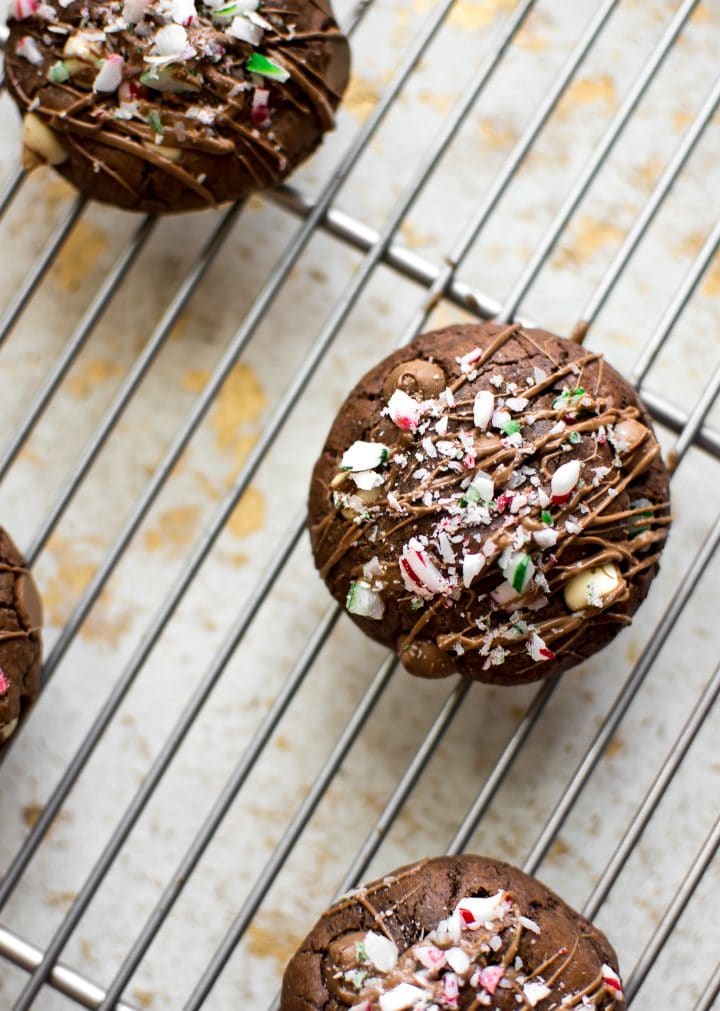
216 752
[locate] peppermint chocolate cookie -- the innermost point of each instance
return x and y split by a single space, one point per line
170 105
449 933
20 639
490 501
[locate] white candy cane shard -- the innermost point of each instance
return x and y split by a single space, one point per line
110 75
134 10
364 601
475 912
405 995
483 409
535 992
419 574
564 480
381 951
472 564
29 50
20 9
243 29
545 538
611 980
458 960
364 456
183 11
431 957
484 485
517 403
538 650
404 411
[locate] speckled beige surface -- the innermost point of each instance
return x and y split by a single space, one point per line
337 681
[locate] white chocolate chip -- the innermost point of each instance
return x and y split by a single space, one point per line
591 587
41 146
8 730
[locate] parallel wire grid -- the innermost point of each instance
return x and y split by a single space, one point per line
440 281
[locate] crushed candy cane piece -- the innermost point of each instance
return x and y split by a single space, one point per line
538 650
472 564
381 951
451 988
134 10
535 992
183 11
483 409
419 574
364 456
28 49
545 538
402 996
4 683
21 9
404 411
243 29
458 960
611 979
430 956
364 601
490 976
564 480
109 77
529 924
259 64
475 912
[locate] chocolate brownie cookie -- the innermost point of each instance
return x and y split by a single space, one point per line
453 932
492 501
20 639
170 105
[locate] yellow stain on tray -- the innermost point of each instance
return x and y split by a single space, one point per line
701 14
92 374
647 174
495 132
587 91
361 97
195 380
471 15
71 577
248 515
271 938
440 101
78 256
711 284
414 238
241 402
174 530
107 623
587 237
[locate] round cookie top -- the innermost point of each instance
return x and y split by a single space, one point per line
453 932
20 637
490 500
166 105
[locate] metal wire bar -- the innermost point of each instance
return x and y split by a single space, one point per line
153 777
661 189
11 188
683 295
673 913
214 818
622 703
67 981
653 797
122 398
292 833
710 993
582 184
287 402
443 280
88 323
501 768
40 268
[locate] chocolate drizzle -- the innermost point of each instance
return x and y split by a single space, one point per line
205 141
519 516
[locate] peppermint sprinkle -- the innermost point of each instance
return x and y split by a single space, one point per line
404 411
29 50
4 683
483 409
259 64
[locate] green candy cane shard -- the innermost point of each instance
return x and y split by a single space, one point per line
258 64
